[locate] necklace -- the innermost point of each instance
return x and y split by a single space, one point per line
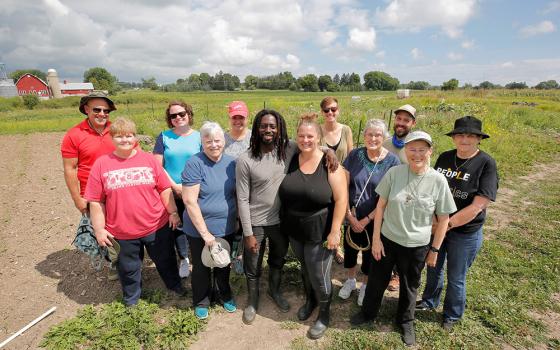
465 162
413 194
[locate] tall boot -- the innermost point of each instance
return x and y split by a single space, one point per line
306 310
250 311
274 279
322 323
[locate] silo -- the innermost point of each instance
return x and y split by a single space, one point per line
52 81
7 86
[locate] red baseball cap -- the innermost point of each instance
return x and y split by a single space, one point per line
238 108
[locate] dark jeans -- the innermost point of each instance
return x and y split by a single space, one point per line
181 242
460 249
277 248
160 249
203 286
410 263
351 254
316 263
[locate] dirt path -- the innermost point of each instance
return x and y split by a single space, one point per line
40 269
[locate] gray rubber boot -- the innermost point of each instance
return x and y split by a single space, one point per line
323 319
274 280
306 310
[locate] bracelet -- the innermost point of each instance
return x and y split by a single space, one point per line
434 249
173 213
369 217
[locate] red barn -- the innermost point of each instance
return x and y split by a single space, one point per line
75 89
30 84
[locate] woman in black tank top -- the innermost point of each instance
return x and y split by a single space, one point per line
313 205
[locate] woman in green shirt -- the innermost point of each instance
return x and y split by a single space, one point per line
409 196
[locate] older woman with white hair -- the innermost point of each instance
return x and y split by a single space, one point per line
364 168
211 211
409 197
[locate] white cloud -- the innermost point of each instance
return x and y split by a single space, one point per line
507 64
411 15
453 56
415 53
361 40
467 44
380 54
543 27
325 39
551 7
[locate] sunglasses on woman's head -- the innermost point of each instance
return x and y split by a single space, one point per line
332 109
180 114
99 110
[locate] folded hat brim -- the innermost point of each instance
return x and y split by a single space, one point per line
467 131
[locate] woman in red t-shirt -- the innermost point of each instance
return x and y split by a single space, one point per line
131 201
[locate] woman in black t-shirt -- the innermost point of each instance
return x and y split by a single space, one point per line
313 205
473 179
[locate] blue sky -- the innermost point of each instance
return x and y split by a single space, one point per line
433 40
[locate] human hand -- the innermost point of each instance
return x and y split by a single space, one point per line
209 239
102 237
431 259
174 220
81 205
251 244
355 224
377 249
333 240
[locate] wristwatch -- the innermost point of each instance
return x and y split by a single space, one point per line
434 249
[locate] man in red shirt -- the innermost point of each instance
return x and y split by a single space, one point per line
86 142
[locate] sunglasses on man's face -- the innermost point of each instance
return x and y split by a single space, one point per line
332 109
98 110
180 114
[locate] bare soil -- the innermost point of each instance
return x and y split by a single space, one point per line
39 268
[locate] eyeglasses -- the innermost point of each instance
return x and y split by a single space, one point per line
99 110
332 109
180 114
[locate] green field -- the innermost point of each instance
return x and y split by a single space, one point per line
516 276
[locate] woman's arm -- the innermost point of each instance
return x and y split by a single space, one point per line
377 249
439 235
468 213
97 215
350 140
169 204
337 181
177 188
190 198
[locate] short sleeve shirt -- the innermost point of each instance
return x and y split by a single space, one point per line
130 189
411 201
176 150
468 178
234 147
216 197
86 144
360 167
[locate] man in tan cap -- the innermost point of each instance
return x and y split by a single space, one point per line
83 144
405 120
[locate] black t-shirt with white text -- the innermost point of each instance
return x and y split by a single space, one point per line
467 178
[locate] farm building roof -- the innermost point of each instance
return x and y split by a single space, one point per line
76 86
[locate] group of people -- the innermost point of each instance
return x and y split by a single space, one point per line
249 188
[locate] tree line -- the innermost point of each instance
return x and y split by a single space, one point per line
374 80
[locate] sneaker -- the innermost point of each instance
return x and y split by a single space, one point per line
201 312
393 283
230 306
113 273
448 325
362 294
421 305
347 288
184 271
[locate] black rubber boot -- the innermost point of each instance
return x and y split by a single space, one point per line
250 311
274 280
322 323
306 310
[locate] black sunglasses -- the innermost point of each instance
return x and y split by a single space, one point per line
99 110
180 114
332 109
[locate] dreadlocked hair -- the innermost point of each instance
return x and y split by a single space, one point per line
310 119
281 141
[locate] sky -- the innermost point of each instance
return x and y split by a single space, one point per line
431 40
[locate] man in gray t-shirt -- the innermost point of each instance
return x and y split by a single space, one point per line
259 173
